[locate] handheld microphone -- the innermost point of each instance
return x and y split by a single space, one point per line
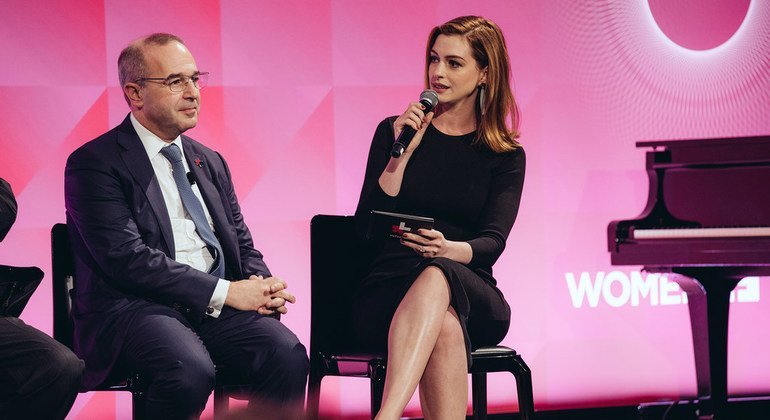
429 99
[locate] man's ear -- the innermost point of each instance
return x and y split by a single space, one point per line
133 93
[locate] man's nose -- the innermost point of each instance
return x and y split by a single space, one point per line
190 90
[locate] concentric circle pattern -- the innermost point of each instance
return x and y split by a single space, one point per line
648 86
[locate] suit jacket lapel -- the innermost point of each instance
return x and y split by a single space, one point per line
135 158
211 196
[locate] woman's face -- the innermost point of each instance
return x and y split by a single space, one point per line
453 72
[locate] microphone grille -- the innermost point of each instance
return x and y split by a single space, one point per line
430 96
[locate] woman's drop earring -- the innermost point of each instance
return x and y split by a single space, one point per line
482 98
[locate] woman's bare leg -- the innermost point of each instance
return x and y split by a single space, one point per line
413 333
444 384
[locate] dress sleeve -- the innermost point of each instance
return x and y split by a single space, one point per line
500 210
372 196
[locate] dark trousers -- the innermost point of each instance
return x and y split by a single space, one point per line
178 357
39 377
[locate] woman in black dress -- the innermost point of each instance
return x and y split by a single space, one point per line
431 298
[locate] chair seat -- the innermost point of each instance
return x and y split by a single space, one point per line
493 351
117 386
353 364
494 358
132 383
358 364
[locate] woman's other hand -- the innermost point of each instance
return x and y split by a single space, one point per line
431 243
427 242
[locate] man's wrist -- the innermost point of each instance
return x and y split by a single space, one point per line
218 298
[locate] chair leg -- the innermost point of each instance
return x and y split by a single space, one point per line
377 385
221 402
523 376
137 405
479 395
313 395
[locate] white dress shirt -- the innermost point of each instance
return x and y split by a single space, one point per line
190 248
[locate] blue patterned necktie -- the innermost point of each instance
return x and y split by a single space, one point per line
194 208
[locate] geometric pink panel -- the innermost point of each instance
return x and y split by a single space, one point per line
52 43
269 43
196 23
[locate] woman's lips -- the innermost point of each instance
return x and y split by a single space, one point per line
438 87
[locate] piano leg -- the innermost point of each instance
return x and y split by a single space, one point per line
708 298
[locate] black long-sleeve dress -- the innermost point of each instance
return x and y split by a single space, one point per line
473 194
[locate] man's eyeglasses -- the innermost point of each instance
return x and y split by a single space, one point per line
178 83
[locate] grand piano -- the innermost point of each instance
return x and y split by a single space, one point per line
706 225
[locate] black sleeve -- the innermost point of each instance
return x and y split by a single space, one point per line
500 210
8 208
372 196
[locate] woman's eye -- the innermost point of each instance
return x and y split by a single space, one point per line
433 59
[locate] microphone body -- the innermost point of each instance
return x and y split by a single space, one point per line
191 178
429 99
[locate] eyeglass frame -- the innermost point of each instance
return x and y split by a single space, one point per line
185 79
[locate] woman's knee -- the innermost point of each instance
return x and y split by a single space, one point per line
431 281
434 273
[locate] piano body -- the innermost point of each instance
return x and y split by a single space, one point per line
707 225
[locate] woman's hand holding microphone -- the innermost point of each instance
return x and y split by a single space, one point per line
410 126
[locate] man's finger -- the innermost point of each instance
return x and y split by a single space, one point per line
276 302
264 311
277 287
286 296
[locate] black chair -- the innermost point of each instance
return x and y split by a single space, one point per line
338 260
227 382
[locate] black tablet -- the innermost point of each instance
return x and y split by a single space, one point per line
387 225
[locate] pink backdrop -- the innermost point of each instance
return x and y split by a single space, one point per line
297 90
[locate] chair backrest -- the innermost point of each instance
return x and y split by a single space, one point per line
338 260
63 268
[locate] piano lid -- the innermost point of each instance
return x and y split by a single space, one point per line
711 182
700 184
717 151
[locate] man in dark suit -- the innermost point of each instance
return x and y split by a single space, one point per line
39 377
168 282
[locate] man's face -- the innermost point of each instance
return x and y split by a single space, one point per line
168 114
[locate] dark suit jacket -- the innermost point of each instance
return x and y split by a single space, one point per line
7 208
124 247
